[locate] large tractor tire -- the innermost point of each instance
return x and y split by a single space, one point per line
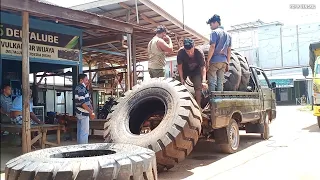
89 161
179 120
245 72
233 76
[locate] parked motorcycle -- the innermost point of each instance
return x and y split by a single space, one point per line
106 109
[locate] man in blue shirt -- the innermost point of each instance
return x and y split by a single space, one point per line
16 112
84 109
5 104
219 54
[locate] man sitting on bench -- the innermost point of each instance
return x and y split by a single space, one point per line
16 112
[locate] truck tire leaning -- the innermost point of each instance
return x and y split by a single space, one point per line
228 138
89 161
233 76
178 131
266 130
245 72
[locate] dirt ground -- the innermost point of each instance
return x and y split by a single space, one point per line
290 154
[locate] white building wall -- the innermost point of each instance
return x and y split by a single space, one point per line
269 53
295 45
267 49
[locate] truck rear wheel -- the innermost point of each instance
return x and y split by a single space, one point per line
159 114
228 138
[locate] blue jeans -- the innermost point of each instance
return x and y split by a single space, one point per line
82 129
216 76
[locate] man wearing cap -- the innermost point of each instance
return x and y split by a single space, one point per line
191 63
219 54
157 48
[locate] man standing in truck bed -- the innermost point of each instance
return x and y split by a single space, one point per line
219 54
157 48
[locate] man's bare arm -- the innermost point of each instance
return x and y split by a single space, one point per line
35 119
180 72
211 51
86 107
164 46
229 54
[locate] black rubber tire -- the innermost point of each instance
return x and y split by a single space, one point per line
128 162
233 76
266 133
318 118
245 72
174 138
223 138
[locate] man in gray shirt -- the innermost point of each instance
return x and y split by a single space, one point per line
219 54
6 104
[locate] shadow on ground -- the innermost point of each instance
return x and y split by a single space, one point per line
312 128
204 153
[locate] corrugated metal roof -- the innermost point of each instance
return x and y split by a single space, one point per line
150 15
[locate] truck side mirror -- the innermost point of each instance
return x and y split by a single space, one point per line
305 72
273 85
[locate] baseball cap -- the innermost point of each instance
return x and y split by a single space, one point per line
214 18
188 43
161 29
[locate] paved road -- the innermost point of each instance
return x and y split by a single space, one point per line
292 153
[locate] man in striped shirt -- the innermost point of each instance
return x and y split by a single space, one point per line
84 109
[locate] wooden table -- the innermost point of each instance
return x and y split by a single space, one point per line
42 130
96 124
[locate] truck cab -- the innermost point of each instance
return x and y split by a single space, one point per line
314 62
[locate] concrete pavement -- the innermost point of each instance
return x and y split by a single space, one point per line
290 154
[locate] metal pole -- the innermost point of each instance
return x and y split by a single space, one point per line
134 59
137 13
26 133
281 47
183 14
65 94
298 44
128 86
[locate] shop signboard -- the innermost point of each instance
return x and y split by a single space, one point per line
42 44
280 83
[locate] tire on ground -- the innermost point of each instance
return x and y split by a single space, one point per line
89 161
174 138
245 72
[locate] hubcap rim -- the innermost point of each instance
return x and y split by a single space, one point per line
234 137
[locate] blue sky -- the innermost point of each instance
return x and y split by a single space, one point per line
232 12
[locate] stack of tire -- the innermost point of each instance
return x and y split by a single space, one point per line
238 76
236 79
174 138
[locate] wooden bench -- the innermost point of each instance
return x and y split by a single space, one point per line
96 124
42 130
